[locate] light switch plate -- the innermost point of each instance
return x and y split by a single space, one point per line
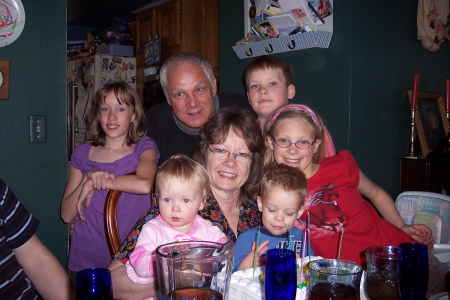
38 129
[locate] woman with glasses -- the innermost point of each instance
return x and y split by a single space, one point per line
231 148
334 206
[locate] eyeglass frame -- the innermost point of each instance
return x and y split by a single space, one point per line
249 156
295 143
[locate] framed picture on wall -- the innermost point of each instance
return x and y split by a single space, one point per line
4 79
431 121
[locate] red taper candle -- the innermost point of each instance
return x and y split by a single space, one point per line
415 90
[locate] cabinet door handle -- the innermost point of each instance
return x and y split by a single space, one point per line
269 50
249 53
291 46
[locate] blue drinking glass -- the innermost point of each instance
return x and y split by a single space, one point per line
412 271
94 284
281 275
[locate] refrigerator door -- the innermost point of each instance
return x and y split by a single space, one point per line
85 77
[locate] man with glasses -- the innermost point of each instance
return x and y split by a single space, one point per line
190 88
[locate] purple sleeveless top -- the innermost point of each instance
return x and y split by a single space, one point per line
88 248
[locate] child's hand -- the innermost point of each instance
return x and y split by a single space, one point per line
72 225
99 178
247 262
84 200
420 233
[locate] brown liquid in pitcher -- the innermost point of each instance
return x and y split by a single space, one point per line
335 291
194 294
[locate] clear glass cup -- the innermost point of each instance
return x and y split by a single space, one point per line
381 277
93 284
334 279
280 275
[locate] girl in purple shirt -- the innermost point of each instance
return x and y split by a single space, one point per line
116 146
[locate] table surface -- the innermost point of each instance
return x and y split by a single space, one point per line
442 252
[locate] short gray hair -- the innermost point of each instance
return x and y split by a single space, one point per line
185 58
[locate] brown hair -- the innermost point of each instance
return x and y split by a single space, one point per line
269 62
293 114
126 94
288 178
216 130
181 167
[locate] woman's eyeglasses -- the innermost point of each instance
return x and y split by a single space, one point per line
224 154
285 143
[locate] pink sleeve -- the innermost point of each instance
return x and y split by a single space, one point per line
216 235
223 240
142 259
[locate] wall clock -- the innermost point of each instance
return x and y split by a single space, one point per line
12 16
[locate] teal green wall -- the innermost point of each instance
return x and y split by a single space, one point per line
37 172
358 85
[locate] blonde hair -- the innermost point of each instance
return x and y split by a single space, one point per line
181 167
124 94
295 112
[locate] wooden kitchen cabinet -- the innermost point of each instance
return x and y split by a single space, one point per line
182 26
429 175
210 32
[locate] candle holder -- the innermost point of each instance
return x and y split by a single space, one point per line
448 119
412 138
447 147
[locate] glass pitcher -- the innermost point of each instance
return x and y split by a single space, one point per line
381 277
194 270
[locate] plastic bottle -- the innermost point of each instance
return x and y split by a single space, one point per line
149 53
157 49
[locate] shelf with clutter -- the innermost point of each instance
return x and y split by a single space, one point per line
285 26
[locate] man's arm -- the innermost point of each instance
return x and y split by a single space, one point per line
124 288
44 270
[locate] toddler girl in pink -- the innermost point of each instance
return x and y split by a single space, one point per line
181 189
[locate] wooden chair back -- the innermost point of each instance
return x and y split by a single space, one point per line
110 220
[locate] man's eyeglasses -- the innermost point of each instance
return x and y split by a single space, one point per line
224 154
285 143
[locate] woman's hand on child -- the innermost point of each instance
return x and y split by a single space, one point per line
420 233
100 179
84 200
248 261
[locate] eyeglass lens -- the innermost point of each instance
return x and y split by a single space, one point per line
285 143
223 154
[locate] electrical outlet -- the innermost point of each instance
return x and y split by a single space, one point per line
38 129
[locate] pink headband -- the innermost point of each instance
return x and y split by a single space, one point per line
300 107
329 145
